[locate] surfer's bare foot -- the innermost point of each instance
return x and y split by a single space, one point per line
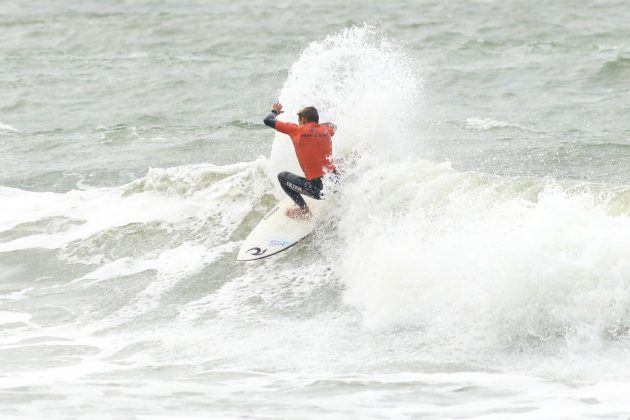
299 213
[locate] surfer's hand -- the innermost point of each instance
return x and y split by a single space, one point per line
278 108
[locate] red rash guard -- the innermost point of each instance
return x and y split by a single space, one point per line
313 146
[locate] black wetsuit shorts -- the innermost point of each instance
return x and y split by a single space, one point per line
295 186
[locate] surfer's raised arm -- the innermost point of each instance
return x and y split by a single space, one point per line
270 119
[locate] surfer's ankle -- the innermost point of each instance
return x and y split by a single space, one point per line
299 213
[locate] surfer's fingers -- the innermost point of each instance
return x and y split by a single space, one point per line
278 107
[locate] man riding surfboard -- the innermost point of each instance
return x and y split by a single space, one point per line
313 147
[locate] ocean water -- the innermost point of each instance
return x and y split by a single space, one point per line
475 263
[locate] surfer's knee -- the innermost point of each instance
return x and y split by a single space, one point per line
282 176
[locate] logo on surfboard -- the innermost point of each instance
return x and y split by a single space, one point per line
278 242
256 251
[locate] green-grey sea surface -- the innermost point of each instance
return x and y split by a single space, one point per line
474 263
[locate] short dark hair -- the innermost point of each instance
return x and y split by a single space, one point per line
309 114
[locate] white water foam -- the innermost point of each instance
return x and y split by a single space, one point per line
483 263
164 195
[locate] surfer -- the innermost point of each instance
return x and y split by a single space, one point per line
313 147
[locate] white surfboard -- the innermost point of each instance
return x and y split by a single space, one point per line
277 232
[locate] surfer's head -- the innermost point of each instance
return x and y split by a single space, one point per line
308 114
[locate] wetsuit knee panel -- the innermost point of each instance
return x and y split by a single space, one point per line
282 176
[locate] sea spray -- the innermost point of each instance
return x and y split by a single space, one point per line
363 82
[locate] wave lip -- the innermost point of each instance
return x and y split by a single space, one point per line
614 70
7 127
486 124
619 64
